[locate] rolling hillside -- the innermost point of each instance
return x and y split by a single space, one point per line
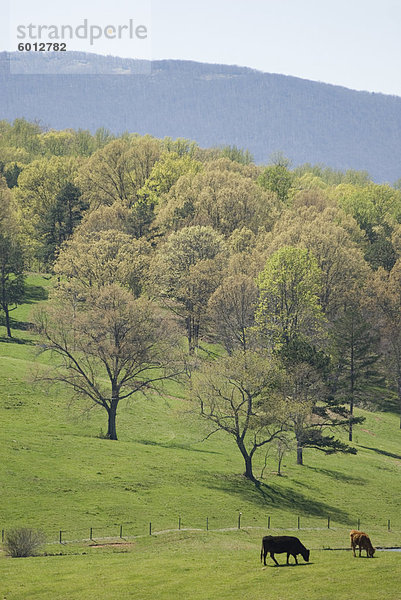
58 473
212 104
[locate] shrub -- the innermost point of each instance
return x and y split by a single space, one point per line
23 541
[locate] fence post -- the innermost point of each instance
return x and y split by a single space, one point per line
2 535
91 538
207 523
179 523
268 522
388 525
299 520
60 536
328 522
150 528
121 531
239 520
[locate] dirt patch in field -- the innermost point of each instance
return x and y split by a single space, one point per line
112 545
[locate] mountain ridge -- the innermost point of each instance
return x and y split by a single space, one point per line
212 104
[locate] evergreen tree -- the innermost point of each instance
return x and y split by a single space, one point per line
312 409
60 220
356 376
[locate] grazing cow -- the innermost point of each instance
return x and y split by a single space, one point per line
283 543
361 539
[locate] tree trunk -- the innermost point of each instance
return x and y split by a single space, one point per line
248 468
7 316
190 335
196 333
112 414
399 396
300 458
351 412
111 427
248 461
352 386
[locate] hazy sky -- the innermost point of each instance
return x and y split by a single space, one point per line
355 43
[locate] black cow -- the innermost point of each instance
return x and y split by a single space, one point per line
277 544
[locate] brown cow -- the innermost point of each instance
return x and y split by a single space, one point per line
361 539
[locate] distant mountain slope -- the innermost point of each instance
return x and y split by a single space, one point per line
212 104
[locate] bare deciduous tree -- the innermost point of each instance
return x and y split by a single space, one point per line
108 349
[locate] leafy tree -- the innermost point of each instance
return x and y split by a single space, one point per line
99 258
289 315
43 186
381 253
289 307
320 231
108 348
244 157
107 176
232 310
385 305
102 137
241 240
117 171
104 218
25 135
12 279
57 143
217 197
377 209
334 177
277 178
165 173
283 446
180 146
238 395
186 271
11 258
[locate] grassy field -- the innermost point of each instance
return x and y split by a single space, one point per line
58 473
199 567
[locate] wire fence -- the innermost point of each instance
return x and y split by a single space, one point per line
129 530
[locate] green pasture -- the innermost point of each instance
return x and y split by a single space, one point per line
57 473
199 566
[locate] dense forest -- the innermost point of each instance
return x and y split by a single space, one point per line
272 292
212 104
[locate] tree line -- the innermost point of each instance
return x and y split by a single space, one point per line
285 283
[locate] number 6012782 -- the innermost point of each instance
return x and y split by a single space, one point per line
42 47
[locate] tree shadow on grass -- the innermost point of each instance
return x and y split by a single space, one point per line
175 446
21 325
264 496
389 404
34 293
338 475
14 340
291 565
383 452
